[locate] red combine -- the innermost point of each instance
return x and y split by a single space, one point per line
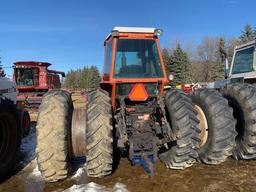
34 79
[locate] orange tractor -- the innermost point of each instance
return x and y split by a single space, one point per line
131 116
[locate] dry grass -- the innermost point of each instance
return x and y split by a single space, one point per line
78 99
33 114
78 102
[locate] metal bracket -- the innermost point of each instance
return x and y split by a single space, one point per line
146 161
171 135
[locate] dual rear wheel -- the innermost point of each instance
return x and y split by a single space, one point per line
217 125
54 144
204 125
209 126
227 122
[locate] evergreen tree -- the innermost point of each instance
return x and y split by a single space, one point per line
2 73
85 74
93 77
180 66
70 79
248 34
221 52
79 79
218 66
86 78
166 58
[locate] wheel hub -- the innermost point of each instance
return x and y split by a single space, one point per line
203 125
78 133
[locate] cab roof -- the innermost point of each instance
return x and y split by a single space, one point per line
147 30
249 44
32 63
134 29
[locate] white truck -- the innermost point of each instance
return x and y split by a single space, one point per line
242 68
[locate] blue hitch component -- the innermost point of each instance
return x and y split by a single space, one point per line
145 161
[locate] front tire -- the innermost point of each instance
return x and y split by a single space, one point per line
53 135
184 124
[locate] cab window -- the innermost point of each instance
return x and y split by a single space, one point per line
243 61
137 58
108 56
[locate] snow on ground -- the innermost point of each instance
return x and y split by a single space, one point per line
36 172
80 176
34 179
28 147
93 187
79 173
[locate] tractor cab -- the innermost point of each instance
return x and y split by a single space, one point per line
243 67
133 64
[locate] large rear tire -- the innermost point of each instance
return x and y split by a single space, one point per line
217 126
99 135
242 98
53 135
184 124
10 137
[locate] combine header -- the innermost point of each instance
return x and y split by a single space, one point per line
34 79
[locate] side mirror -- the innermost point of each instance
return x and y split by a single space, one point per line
226 68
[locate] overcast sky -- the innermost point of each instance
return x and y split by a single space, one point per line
70 33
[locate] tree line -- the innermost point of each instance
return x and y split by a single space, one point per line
206 63
87 78
2 73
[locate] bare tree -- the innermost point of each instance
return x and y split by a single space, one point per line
230 45
207 49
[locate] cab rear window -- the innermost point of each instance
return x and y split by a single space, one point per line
137 58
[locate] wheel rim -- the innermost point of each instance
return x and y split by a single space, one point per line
203 126
78 133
